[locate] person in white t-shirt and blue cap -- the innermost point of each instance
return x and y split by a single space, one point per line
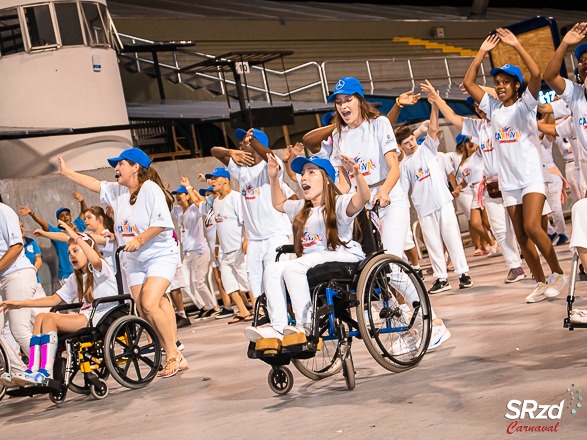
266 228
521 170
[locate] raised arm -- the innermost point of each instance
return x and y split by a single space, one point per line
314 138
25 210
45 301
510 39
362 196
56 236
239 157
87 182
278 198
406 98
290 153
93 256
448 113
83 206
552 71
194 196
433 127
470 80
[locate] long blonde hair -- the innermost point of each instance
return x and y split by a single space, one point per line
85 292
333 241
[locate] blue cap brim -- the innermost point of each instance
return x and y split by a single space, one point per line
113 161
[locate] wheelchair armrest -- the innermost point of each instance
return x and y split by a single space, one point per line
284 249
61 307
113 298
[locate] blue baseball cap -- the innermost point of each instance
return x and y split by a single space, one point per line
347 85
257 134
297 165
580 50
510 69
421 140
327 118
135 155
218 172
60 210
461 138
181 190
203 191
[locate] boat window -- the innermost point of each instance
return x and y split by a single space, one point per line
40 27
69 24
10 33
95 27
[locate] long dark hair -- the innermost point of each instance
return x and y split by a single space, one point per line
333 241
150 174
85 292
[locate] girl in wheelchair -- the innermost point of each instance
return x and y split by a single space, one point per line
323 231
92 278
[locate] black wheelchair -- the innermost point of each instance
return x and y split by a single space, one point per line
121 344
574 319
380 300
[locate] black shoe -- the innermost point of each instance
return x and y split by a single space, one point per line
223 313
182 322
465 281
439 286
208 313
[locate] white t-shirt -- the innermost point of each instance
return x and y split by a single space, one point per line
104 285
325 152
207 213
454 159
108 250
422 173
560 108
228 216
444 164
11 235
471 170
574 96
546 146
566 130
314 236
191 229
367 145
261 219
516 140
480 132
150 209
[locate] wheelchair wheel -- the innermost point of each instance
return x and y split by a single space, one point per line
326 362
4 368
132 352
348 370
58 397
280 380
394 314
99 392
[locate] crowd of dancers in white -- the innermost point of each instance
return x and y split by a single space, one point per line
502 177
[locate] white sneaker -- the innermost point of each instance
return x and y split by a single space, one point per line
405 343
6 380
263 331
537 294
292 330
578 316
23 379
439 334
556 283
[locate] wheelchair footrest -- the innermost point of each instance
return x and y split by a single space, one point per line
268 346
294 339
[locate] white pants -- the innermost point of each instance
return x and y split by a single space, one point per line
260 254
443 226
39 293
233 272
195 271
579 222
503 230
292 273
11 346
395 227
21 284
553 195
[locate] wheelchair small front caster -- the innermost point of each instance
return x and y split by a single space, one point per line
58 397
99 391
280 380
348 370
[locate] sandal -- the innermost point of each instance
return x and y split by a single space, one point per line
478 253
182 363
249 317
168 371
239 318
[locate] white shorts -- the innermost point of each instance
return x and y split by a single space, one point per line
164 266
233 272
475 202
512 198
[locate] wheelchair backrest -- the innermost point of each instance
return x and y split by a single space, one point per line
368 231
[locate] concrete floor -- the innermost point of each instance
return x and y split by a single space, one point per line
501 349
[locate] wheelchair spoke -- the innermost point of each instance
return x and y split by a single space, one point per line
137 369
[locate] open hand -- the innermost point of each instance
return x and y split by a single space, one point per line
24 210
349 164
489 43
428 88
272 166
184 181
576 34
507 37
242 158
408 98
77 196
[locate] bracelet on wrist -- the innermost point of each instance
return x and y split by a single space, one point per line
189 187
399 104
77 238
